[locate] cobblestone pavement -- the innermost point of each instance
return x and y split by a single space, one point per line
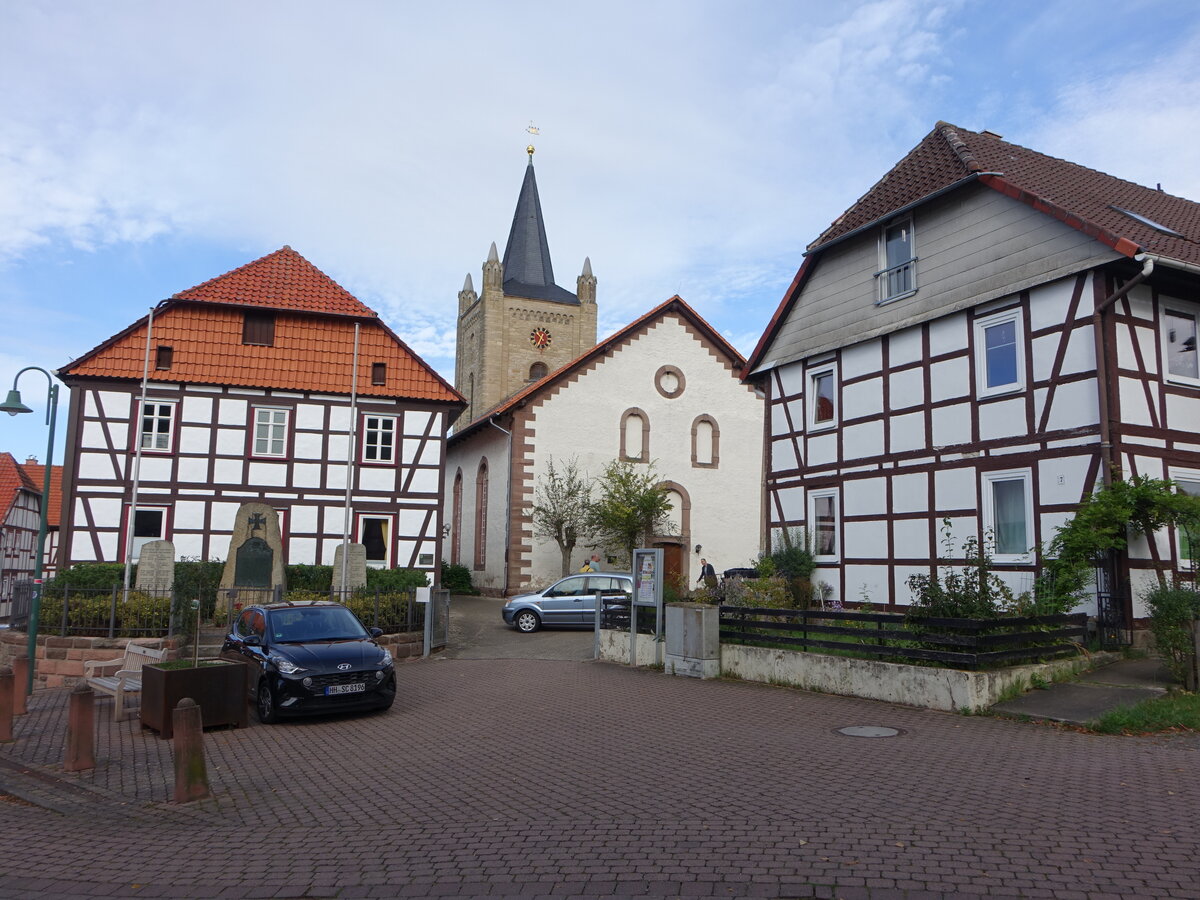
558 778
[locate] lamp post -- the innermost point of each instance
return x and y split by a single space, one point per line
13 405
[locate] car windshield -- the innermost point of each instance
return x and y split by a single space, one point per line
314 623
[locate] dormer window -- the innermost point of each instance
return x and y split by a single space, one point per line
898 275
259 328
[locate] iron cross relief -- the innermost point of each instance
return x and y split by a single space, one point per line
256 521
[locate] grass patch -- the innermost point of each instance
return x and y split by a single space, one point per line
1177 711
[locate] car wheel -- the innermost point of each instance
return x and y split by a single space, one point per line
266 705
527 621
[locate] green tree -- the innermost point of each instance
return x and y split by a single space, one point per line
630 506
560 507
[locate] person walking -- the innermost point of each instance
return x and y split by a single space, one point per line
708 574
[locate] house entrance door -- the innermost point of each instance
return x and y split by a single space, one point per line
672 562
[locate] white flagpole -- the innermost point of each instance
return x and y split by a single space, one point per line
138 418
350 462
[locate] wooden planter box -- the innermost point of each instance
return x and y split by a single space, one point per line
219 689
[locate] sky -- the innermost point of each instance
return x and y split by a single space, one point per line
686 147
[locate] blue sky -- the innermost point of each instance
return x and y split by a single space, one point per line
686 147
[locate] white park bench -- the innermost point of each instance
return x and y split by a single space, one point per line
122 677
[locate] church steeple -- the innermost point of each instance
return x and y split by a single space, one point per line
527 268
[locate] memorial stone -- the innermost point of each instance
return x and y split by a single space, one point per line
356 566
255 559
156 569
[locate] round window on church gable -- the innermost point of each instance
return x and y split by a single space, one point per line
669 381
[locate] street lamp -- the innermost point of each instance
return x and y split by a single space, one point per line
13 406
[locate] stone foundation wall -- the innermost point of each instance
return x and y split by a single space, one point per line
60 659
405 645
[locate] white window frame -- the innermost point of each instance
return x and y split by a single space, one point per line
271 425
810 396
833 494
172 407
389 539
372 427
1186 310
882 293
135 546
982 324
1191 477
988 482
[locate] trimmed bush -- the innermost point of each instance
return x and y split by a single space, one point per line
457 579
1172 609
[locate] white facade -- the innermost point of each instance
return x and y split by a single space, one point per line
662 392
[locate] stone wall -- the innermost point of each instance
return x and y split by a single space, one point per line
405 645
60 659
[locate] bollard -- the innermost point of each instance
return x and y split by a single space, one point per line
6 705
191 775
20 670
81 730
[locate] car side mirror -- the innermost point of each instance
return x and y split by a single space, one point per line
375 632
252 640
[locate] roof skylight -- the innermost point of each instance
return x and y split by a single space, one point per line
1138 217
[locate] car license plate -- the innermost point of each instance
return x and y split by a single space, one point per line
357 688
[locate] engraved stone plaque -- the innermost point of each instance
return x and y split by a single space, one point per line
156 568
255 558
356 566
253 564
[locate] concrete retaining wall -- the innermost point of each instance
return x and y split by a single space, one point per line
923 686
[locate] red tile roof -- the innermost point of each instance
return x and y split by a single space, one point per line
1083 198
1076 195
313 346
280 280
675 304
36 472
13 478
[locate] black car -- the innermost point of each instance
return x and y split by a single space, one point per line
310 657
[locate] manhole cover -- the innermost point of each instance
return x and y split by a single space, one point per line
868 731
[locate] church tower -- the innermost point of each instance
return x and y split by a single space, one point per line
523 325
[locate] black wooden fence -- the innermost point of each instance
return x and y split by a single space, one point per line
962 643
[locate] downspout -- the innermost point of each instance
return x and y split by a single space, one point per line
508 514
1106 445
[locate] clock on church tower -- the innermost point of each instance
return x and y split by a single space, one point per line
540 338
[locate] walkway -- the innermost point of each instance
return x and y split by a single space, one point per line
556 778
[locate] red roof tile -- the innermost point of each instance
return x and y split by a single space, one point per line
36 472
12 479
280 280
1082 197
313 346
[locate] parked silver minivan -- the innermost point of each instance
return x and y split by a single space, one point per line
569 601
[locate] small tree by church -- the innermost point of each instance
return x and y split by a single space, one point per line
630 506
561 506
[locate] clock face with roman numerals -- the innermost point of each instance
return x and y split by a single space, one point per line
540 338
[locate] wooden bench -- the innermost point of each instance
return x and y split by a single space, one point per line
122 677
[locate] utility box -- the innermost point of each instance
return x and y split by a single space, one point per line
693 640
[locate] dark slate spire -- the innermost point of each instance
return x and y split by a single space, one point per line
527 268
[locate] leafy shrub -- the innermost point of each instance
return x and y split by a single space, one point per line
305 596
90 614
968 591
88 577
309 578
457 579
396 579
1172 609
388 611
768 593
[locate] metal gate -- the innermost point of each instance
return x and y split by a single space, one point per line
1111 627
437 621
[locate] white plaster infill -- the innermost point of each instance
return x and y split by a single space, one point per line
951 690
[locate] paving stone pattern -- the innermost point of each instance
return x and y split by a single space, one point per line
556 778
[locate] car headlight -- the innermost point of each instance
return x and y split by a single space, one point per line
285 666
387 658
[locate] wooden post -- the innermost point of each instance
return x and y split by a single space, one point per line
6 705
81 729
20 670
191 774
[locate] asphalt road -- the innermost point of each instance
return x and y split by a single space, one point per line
478 632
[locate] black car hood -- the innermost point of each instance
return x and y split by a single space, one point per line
324 656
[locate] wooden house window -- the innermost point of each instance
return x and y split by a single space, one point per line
898 273
270 431
1000 353
163 357
258 328
1008 515
375 534
822 398
158 427
823 524
379 439
379 373
1181 327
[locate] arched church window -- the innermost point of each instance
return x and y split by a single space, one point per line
538 371
456 521
481 502
635 436
706 442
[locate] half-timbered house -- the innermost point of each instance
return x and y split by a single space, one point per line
984 337
21 499
251 395
667 390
